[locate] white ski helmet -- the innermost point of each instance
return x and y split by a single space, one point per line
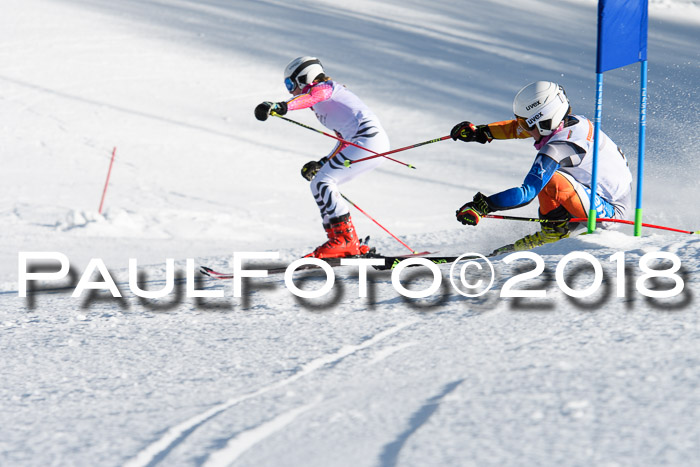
302 71
541 104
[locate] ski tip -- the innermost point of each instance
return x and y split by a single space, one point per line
411 166
347 163
423 253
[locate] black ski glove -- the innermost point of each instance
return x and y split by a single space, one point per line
311 168
467 131
471 213
262 111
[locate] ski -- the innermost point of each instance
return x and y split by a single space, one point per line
332 262
392 261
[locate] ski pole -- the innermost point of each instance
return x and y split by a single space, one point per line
651 226
384 154
527 219
585 219
380 225
275 114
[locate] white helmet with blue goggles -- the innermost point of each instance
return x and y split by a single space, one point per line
301 71
541 104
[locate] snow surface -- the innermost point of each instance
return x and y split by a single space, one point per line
269 379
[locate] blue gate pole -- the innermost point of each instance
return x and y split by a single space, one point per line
592 213
640 159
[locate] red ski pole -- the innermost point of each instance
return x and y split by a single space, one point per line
623 221
380 225
585 219
275 114
384 154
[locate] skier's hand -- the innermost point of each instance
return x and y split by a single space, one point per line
467 131
468 214
262 111
472 212
311 168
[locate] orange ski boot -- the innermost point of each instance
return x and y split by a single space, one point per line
342 240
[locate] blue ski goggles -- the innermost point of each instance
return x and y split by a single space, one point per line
289 84
291 81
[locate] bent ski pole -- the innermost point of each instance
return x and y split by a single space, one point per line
623 221
380 225
275 114
585 219
384 154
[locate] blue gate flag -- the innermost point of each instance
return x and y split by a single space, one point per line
622 33
622 40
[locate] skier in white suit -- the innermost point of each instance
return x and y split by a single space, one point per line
341 111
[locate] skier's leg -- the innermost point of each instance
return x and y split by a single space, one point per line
335 211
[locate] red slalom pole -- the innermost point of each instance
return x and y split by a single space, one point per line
340 139
384 154
380 225
109 172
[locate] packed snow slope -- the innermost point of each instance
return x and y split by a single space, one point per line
169 87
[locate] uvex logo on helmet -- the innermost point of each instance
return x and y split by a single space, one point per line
533 105
547 101
532 120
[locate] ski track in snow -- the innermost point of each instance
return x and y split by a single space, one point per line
384 353
157 451
245 440
390 453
